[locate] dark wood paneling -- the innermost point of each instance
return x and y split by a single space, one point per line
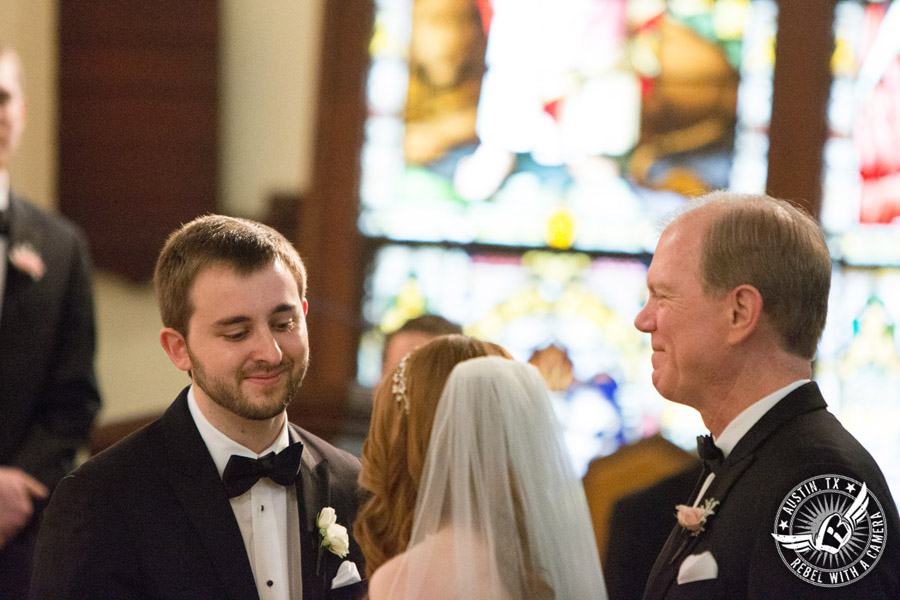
137 123
799 101
328 239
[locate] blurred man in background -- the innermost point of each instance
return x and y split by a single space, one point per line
48 394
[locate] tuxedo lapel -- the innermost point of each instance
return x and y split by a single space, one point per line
656 583
196 483
22 230
313 494
676 544
680 544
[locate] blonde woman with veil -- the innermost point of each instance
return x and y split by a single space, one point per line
481 480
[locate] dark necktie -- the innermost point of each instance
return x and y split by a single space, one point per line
710 454
241 473
4 222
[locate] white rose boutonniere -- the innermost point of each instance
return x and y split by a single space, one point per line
334 536
26 259
693 518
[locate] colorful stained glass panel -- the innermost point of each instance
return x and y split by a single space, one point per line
542 306
861 192
858 362
569 124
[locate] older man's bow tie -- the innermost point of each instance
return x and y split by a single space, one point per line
241 473
710 453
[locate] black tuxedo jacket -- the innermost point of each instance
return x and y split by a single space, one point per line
149 518
48 392
796 440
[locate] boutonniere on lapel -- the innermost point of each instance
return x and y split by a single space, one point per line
26 259
693 518
334 536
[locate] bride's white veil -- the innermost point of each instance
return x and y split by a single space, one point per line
500 512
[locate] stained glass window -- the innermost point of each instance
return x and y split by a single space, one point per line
861 192
858 363
518 157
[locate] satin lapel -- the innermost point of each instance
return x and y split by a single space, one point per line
22 229
659 573
21 226
681 543
804 399
726 476
195 481
674 546
313 494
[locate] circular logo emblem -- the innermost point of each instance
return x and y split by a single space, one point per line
830 530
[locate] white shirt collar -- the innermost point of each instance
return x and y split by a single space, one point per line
220 446
742 423
4 189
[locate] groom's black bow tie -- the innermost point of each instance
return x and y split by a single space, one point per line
241 473
710 453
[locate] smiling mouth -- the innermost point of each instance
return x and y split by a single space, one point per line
266 377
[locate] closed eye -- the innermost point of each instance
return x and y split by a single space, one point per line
284 325
288 326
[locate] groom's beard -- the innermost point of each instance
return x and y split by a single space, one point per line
263 404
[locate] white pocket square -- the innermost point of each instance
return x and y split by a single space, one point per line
347 574
698 567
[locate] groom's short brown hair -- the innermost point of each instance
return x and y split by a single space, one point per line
243 245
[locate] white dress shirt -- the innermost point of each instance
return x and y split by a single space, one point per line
4 240
742 423
266 514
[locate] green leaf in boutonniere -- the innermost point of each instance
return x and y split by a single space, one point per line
693 518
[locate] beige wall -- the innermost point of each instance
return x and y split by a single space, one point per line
269 60
269 69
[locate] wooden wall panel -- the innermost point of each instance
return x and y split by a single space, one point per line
138 123
799 101
328 237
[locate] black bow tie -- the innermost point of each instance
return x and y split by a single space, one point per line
241 473
710 453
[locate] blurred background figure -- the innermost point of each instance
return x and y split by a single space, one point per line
415 332
48 395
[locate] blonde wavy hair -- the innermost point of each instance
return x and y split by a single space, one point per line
394 452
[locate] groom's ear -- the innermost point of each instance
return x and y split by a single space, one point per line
176 347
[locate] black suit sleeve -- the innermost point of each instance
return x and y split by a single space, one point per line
81 552
69 397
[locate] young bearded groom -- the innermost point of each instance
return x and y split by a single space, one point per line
221 497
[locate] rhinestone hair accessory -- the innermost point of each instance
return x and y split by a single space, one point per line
399 387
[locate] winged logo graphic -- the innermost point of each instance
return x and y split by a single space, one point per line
833 533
